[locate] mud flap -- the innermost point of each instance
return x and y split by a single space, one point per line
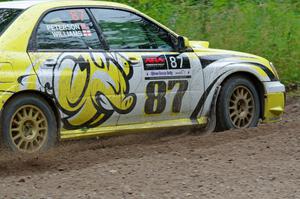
211 118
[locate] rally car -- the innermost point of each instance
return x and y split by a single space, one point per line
75 69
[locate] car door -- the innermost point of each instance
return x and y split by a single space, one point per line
73 68
166 82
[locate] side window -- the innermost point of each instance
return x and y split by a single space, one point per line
67 29
125 30
7 16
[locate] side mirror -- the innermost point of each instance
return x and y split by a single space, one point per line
183 43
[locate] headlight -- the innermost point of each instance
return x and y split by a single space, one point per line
274 70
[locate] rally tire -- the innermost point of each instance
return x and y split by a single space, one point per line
28 124
238 104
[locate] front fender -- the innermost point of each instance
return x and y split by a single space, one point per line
215 78
217 72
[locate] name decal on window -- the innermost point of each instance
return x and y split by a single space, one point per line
69 30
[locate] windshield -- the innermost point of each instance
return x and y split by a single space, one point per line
7 15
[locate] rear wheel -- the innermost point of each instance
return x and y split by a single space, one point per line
28 124
238 105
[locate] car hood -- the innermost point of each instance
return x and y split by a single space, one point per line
209 57
201 49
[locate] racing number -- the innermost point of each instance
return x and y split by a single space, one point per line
77 15
175 63
183 86
156 101
156 96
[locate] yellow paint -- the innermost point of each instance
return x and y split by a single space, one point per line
204 44
186 42
6 75
274 107
260 71
133 128
12 66
202 120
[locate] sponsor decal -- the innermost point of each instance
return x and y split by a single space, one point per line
69 30
161 74
166 67
155 63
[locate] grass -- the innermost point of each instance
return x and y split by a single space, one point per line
269 28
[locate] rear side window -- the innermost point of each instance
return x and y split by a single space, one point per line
67 29
7 16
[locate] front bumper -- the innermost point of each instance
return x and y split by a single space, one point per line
274 101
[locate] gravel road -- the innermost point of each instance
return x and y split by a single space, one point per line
262 162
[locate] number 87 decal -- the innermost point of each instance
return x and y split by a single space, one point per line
156 96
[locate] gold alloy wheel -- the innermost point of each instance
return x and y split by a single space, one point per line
28 129
241 107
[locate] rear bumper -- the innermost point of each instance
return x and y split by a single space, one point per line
274 101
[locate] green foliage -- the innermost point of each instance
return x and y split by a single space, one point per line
269 28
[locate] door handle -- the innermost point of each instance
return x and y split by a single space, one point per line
50 63
134 60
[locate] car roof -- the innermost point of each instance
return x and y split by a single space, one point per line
20 4
27 4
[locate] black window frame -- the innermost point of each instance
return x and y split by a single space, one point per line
32 45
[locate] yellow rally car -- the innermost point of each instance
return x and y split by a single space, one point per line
73 69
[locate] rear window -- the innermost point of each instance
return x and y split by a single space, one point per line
7 16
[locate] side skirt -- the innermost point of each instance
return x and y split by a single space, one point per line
131 128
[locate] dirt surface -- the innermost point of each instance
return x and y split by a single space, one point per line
262 162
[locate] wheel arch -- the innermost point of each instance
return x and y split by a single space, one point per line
44 96
255 81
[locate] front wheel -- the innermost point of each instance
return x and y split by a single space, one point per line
238 105
28 124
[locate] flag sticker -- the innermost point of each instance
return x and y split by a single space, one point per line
85 30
